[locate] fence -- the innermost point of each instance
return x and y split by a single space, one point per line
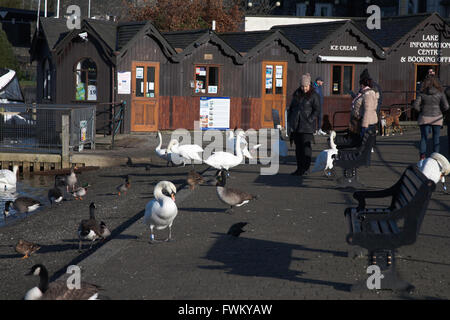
38 128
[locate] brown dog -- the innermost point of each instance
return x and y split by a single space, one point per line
391 121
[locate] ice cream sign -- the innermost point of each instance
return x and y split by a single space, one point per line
428 50
343 48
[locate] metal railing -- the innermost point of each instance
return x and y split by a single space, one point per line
118 112
37 128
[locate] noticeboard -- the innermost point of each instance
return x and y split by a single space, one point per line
214 113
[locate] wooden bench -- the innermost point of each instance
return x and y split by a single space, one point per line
351 159
380 230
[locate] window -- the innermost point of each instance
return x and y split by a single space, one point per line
323 9
86 80
342 79
301 10
206 79
46 73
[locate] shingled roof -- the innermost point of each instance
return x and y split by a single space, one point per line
182 39
243 42
126 31
106 30
54 30
307 36
392 28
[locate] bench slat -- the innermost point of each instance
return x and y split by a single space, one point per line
384 226
393 226
375 227
356 223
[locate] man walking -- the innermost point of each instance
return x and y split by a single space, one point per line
318 87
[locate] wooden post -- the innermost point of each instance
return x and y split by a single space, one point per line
65 160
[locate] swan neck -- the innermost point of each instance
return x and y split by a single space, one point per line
160 140
158 193
238 146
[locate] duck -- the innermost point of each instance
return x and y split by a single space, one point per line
123 188
92 229
194 179
8 178
80 192
71 179
26 248
324 160
225 160
229 196
58 290
56 194
162 153
187 152
22 205
161 211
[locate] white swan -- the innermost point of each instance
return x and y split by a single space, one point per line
226 160
324 160
435 168
188 152
231 145
161 211
8 178
162 153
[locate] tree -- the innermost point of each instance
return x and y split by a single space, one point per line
174 15
7 57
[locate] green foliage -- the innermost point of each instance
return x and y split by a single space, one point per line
7 57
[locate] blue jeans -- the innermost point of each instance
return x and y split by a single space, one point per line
425 130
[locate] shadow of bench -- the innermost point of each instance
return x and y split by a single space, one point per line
382 230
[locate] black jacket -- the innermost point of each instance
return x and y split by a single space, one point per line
447 115
303 111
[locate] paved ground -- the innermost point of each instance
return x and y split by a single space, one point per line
294 247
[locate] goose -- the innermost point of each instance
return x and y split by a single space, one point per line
56 194
26 248
435 168
71 179
224 160
92 229
8 178
161 211
58 290
123 188
324 160
194 179
162 153
229 196
188 152
22 205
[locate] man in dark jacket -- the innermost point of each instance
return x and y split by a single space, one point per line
318 86
302 114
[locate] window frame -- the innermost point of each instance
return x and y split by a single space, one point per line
86 83
342 65
219 84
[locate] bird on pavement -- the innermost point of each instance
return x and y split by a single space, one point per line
71 179
194 179
22 205
26 248
236 229
123 188
92 229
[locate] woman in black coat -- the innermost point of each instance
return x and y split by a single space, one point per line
302 114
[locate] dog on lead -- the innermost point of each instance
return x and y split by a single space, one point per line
390 121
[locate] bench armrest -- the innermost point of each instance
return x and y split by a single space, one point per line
361 196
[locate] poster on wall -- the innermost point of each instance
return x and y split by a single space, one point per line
279 72
92 92
124 82
214 113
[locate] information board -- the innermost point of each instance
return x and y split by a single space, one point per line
214 113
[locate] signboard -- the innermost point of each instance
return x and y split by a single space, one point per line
429 49
92 92
124 82
214 113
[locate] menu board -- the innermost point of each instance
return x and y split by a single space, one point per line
214 113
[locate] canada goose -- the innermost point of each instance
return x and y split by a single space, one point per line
229 196
324 160
92 229
58 290
194 179
22 205
225 160
8 178
56 194
188 152
26 248
71 179
236 229
123 188
161 211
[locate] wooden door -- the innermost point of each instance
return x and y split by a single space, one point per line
274 80
144 96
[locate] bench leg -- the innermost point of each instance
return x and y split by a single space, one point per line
350 180
388 277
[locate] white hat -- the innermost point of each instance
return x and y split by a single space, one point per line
443 162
